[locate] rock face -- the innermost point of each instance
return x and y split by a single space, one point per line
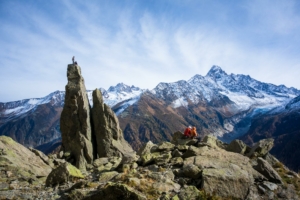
109 136
261 148
266 169
63 174
75 123
14 156
237 146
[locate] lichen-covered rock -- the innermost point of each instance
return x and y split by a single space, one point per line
107 176
237 146
182 148
163 158
166 186
191 171
41 155
107 164
210 140
149 158
23 162
176 153
224 173
63 174
161 176
146 148
221 144
109 136
269 185
194 151
261 148
116 191
271 159
266 169
190 192
165 146
227 182
100 161
75 124
177 135
187 141
177 162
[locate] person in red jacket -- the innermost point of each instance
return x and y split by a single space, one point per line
193 133
187 132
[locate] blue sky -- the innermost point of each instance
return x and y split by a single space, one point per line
144 42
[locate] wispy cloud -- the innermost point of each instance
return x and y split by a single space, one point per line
141 44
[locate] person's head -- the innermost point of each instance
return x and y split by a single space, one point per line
190 126
194 128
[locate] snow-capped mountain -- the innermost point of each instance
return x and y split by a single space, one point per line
245 92
119 93
112 96
215 103
11 110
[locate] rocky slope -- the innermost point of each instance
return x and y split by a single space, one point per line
282 124
181 170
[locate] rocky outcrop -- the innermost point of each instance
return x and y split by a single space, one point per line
20 170
109 136
237 146
114 191
267 170
75 120
20 160
261 148
209 172
62 174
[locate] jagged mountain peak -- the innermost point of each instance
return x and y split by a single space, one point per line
120 87
216 72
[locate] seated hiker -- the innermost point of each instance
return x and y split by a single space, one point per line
193 133
187 132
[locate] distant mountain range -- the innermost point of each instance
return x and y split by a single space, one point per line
225 105
283 124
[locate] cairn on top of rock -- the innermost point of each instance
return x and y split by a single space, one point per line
75 122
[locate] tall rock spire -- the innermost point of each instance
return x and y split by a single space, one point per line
109 136
75 122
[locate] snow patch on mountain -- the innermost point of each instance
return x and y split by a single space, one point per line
24 106
117 94
243 90
180 102
122 92
126 104
244 102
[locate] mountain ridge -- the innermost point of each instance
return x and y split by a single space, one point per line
227 99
